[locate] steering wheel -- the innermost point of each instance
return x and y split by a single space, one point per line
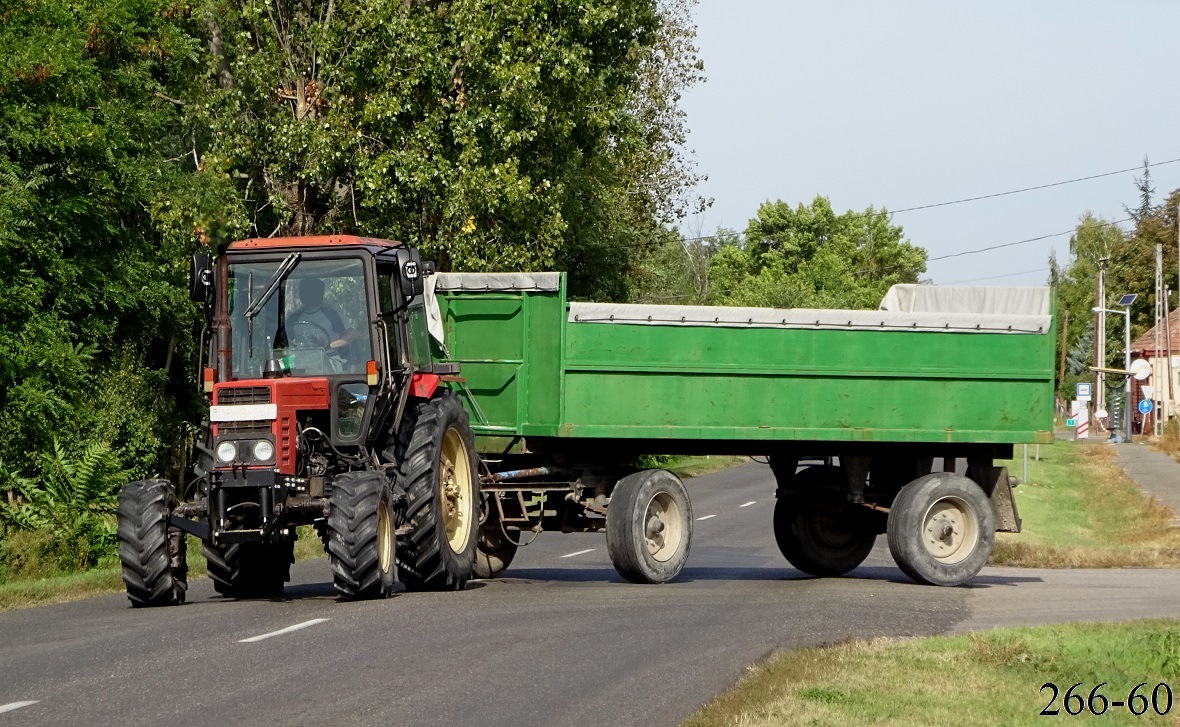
312 334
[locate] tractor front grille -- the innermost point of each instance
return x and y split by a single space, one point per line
244 395
242 430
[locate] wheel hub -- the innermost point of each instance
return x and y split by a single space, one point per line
950 530
662 528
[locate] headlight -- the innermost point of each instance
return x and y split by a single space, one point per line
263 450
227 452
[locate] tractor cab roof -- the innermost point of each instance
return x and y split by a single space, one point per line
278 244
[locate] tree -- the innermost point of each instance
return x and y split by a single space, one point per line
809 256
93 314
494 134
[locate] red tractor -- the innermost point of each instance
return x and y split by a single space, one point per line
326 409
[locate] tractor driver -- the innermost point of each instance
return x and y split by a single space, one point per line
315 324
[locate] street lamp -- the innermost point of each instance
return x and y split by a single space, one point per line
1126 301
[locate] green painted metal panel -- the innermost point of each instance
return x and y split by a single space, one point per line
535 374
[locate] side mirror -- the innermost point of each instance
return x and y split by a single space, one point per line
410 272
200 279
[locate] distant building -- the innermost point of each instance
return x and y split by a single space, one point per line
1165 396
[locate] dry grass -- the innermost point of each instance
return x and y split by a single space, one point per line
1081 511
1169 442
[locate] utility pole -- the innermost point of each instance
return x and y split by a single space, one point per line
1168 403
1064 331
1100 338
1157 427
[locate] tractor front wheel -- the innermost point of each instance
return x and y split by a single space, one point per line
361 540
151 552
250 570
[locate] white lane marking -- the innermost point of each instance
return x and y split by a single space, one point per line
577 552
747 504
280 632
16 705
705 517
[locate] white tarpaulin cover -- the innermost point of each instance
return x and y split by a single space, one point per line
434 321
543 282
962 309
1011 300
906 307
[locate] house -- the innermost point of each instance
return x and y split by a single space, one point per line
1165 396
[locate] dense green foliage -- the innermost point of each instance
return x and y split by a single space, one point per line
495 134
93 320
807 256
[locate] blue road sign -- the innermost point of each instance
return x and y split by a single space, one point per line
1145 406
1071 422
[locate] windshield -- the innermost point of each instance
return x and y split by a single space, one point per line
315 324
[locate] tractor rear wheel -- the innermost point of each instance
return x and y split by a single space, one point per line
152 553
250 570
649 526
435 452
495 549
817 531
361 539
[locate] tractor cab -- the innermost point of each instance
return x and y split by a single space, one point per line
325 409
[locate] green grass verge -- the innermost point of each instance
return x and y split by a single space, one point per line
1081 511
985 679
685 467
75 586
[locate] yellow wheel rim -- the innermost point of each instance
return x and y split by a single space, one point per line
455 490
384 538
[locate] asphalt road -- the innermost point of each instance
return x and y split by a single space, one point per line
560 641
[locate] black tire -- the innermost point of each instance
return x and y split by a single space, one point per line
437 551
941 529
361 539
820 533
250 570
651 503
494 551
152 553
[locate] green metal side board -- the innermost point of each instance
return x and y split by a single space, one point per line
535 374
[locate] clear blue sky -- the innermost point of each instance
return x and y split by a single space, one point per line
902 104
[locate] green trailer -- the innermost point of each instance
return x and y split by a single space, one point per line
852 409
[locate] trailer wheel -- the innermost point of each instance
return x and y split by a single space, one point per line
495 550
821 537
435 451
250 570
649 526
151 552
941 529
361 539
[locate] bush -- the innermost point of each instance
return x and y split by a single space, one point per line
72 498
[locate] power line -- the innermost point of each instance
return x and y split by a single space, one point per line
997 277
1018 242
1031 189
976 199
